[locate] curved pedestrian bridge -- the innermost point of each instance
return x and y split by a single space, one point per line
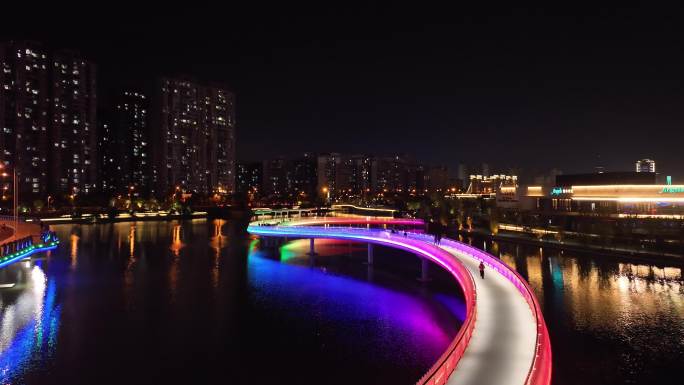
503 339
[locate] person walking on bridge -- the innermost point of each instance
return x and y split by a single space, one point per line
482 267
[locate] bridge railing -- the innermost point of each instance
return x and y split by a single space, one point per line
541 366
14 250
445 365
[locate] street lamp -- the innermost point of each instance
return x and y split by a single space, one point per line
72 197
130 196
326 191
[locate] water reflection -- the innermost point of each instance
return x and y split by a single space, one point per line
73 244
176 242
620 320
29 320
200 300
406 319
217 242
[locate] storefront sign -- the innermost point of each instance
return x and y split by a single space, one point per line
561 190
672 190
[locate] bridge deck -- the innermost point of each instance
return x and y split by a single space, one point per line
7 232
502 346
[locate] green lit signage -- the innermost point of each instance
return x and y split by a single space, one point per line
672 190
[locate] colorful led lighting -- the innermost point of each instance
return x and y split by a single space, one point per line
26 252
447 362
540 369
629 199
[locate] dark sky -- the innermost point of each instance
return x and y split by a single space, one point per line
527 88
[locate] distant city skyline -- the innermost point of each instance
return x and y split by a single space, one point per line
523 89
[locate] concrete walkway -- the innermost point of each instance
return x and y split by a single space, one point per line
503 344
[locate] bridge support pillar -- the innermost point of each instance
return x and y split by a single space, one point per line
370 254
424 270
312 249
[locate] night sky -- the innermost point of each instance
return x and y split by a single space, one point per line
526 88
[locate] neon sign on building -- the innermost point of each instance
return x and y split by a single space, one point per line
561 190
672 190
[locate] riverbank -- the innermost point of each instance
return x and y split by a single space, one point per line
645 255
122 217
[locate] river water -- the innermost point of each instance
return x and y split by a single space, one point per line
193 302
612 320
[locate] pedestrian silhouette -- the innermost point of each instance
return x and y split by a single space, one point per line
482 267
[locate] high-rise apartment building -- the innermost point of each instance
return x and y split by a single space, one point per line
194 125
48 120
130 126
327 165
274 178
73 135
124 146
303 176
343 174
24 116
396 174
108 152
437 179
249 177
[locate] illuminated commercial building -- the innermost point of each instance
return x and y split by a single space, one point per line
612 200
482 184
627 208
645 165
641 210
193 137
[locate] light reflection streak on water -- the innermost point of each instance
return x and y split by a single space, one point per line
355 301
605 296
29 326
217 242
73 243
175 247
